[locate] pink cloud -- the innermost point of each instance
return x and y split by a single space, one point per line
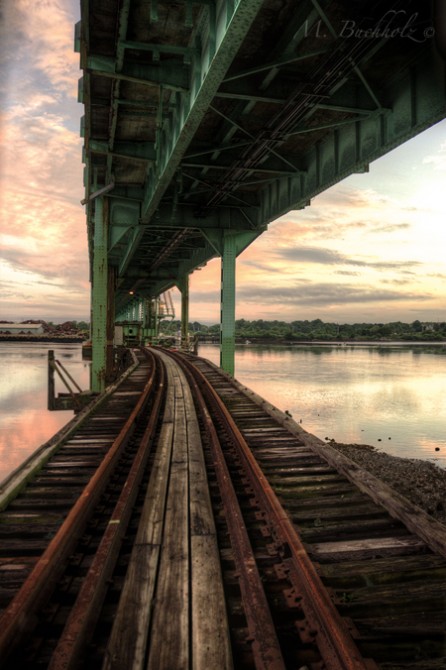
42 31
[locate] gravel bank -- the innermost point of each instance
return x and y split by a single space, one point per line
421 482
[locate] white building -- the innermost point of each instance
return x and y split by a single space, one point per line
16 328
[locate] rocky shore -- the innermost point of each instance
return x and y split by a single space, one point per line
421 482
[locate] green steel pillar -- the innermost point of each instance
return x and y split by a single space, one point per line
99 296
227 304
111 318
183 285
150 320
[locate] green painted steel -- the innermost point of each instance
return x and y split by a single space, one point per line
227 304
220 46
206 120
99 298
183 286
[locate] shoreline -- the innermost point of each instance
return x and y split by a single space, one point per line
421 482
329 343
74 339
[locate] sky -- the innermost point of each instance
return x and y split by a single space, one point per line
370 249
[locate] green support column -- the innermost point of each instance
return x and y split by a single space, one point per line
183 285
111 318
99 297
227 303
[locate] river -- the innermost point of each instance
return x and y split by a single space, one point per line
390 396
25 422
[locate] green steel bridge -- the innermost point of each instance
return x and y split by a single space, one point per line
207 119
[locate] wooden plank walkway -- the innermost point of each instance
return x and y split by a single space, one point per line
172 611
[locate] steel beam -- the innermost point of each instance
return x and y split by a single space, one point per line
99 296
212 65
227 305
228 245
418 101
173 75
183 285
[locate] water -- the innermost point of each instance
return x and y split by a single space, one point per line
392 397
25 422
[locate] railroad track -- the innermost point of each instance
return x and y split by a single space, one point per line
60 537
381 560
214 543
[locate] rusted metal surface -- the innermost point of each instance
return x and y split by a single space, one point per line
334 641
266 647
385 578
19 615
84 614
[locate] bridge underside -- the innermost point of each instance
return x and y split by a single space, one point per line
207 119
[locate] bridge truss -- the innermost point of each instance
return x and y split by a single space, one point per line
207 119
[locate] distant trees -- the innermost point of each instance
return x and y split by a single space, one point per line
318 330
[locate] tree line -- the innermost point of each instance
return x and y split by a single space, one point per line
317 330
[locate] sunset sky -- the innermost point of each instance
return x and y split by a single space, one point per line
370 249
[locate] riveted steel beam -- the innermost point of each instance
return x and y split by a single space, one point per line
99 296
173 76
185 52
354 145
136 150
227 305
193 107
274 65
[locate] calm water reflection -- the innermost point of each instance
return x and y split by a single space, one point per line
392 397
25 423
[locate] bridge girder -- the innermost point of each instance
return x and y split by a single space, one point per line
206 117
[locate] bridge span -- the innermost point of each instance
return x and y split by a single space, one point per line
205 120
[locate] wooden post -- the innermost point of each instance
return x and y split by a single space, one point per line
51 384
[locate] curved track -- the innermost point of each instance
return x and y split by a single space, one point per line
100 469
207 530
381 560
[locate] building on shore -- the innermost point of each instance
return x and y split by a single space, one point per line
19 328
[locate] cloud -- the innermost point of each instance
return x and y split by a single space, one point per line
264 268
438 160
44 242
325 294
333 257
37 38
391 228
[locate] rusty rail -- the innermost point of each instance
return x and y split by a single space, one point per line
84 614
331 634
19 616
266 647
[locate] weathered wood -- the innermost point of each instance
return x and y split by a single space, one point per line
391 598
354 529
128 640
418 521
308 491
383 570
405 624
211 647
368 548
314 515
169 640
